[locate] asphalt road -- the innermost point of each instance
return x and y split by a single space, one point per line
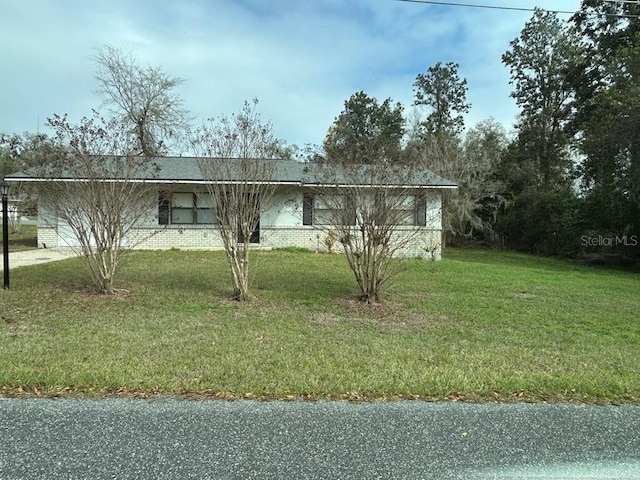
172 439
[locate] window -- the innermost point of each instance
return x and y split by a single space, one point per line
323 213
413 210
182 208
421 211
307 209
204 209
185 208
325 210
330 209
164 208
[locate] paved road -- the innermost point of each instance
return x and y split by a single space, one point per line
170 439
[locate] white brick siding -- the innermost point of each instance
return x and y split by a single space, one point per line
47 237
281 226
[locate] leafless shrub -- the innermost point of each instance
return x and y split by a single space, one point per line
100 188
237 157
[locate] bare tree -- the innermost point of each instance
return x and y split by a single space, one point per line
376 212
98 185
144 98
237 157
368 197
470 210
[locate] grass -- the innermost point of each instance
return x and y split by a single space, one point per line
25 240
479 326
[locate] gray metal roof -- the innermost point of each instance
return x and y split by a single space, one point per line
187 170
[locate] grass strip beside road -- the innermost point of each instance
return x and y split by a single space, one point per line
480 326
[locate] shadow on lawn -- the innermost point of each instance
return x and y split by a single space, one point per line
25 240
512 259
612 264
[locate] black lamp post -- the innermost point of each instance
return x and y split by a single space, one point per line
5 231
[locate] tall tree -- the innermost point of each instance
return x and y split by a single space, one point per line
445 94
104 201
237 158
608 90
366 132
478 183
144 98
540 60
435 140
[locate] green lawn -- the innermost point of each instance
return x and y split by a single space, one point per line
25 240
480 325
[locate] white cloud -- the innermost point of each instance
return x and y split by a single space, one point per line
301 59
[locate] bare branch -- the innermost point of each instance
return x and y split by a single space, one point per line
237 156
376 212
144 98
95 186
369 199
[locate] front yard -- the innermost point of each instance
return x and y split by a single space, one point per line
24 240
480 325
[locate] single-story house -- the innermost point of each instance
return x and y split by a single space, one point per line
294 217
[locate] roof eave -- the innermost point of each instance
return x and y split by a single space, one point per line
226 182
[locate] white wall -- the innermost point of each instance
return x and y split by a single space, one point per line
285 209
280 226
434 210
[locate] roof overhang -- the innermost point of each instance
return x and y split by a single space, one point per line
230 182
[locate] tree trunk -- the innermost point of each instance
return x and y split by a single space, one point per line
239 265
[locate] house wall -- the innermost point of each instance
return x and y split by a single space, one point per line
47 228
280 226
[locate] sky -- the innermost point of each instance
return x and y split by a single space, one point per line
301 58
